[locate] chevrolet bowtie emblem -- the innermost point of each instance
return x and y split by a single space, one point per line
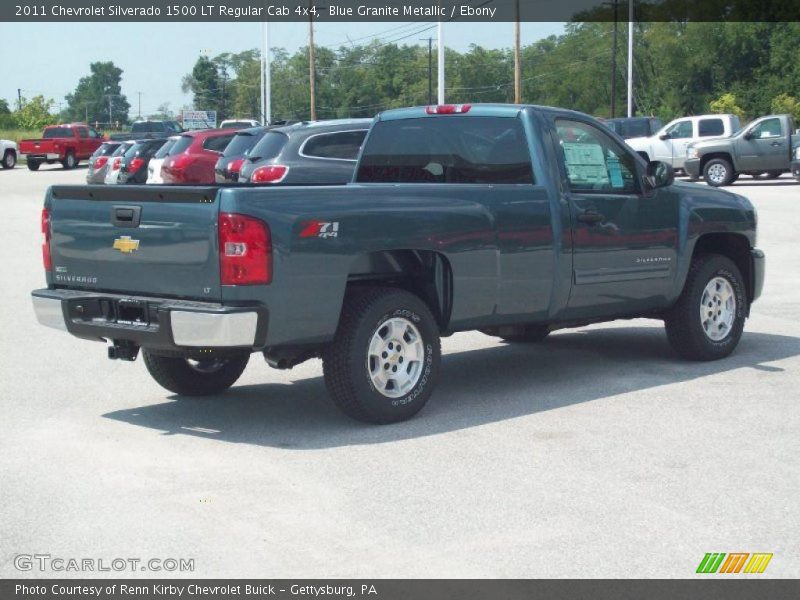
125 244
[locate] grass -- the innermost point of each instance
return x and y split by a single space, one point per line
15 135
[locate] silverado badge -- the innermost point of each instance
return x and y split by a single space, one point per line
125 244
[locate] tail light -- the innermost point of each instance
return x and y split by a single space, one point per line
245 250
46 256
135 164
181 161
269 174
116 163
448 109
235 165
100 162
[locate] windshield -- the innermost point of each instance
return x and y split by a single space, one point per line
165 148
241 144
270 146
105 149
57 132
181 144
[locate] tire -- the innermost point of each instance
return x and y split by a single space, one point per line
713 338
718 172
773 174
33 165
9 159
195 378
365 347
69 161
526 334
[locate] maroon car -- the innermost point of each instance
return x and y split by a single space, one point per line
193 156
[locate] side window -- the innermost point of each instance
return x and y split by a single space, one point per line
709 127
343 145
594 161
217 144
93 133
769 128
83 132
680 130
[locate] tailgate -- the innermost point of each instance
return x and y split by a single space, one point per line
159 241
36 146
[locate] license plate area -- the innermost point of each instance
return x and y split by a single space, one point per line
131 312
125 312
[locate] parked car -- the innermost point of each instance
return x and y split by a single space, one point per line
670 143
133 166
765 145
115 162
227 168
68 144
796 162
193 156
154 166
99 162
632 127
8 154
318 152
238 123
150 129
451 225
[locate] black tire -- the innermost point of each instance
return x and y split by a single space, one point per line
349 369
773 174
205 378
33 165
685 330
69 161
525 334
9 159
721 170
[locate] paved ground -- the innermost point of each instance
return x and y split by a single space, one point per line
598 454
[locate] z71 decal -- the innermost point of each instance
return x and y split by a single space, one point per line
320 229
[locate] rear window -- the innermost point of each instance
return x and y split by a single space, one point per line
342 145
148 127
241 144
56 132
164 149
105 149
641 127
269 146
134 150
181 144
217 143
708 127
121 150
447 150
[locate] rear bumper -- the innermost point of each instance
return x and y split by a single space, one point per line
157 323
40 156
692 167
759 266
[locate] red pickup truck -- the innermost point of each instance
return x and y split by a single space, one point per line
67 144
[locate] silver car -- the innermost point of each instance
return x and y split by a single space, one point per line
115 161
99 161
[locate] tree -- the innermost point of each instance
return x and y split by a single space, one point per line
4 109
784 103
35 113
726 104
205 84
90 100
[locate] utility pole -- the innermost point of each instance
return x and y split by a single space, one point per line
517 57
19 98
430 69
614 66
440 63
311 65
630 58
266 77
110 122
140 105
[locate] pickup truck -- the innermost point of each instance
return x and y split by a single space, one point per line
149 129
765 146
510 219
68 144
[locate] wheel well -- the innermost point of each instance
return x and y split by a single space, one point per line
422 272
733 245
10 151
723 155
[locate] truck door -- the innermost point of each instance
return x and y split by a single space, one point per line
624 242
764 147
82 149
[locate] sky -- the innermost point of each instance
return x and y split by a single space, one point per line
52 57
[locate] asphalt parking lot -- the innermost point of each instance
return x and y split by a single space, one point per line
596 454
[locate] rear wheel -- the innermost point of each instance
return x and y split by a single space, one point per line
9 159
707 321
718 172
69 161
33 165
189 377
773 174
383 363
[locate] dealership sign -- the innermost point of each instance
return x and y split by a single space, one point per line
199 119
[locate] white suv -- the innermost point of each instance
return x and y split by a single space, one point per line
8 154
670 143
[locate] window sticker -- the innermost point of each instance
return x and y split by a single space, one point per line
586 164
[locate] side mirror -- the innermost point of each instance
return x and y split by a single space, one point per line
664 136
659 174
748 135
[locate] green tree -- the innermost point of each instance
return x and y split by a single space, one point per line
726 104
97 92
4 109
784 103
35 113
206 86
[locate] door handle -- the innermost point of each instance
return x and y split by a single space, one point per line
590 216
777 144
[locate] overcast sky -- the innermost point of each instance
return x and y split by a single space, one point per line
50 58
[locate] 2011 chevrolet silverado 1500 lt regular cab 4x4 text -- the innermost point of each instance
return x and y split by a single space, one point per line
515 220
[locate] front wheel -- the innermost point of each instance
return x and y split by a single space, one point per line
719 172
189 377
9 159
383 363
707 321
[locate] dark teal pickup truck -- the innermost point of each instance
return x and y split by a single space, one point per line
513 220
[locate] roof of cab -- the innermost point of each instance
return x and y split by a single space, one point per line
475 110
